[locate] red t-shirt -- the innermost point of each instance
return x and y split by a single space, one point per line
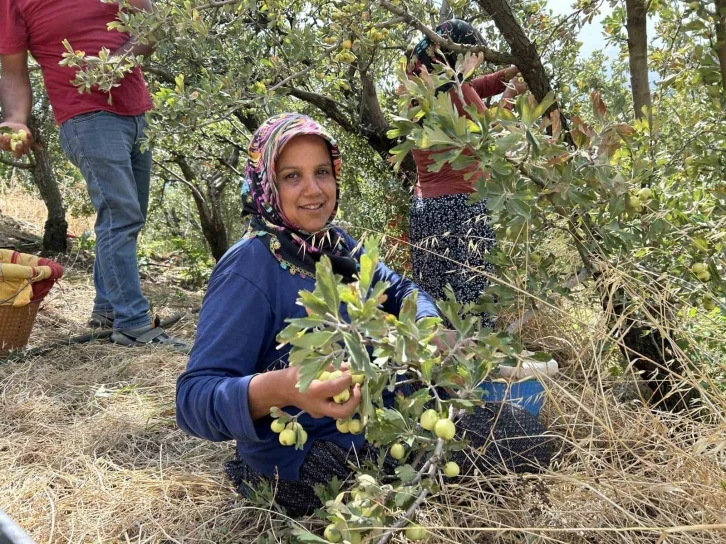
448 181
40 26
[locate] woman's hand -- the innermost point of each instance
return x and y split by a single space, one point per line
279 388
318 399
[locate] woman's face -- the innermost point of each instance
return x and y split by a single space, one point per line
306 182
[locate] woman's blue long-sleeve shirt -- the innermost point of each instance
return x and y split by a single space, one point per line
247 302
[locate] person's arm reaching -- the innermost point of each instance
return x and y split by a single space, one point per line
132 46
221 395
16 98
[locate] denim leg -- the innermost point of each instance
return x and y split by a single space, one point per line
101 144
141 165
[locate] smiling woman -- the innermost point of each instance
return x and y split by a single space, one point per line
306 183
237 372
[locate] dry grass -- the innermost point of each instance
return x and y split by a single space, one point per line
90 452
28 209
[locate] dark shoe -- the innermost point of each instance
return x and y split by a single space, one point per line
101 320
149 335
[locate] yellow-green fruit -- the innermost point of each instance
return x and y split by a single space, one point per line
342 397
335 374
451 469
398 451
428 419
347 44
704 276
324 376
287 437
354 426
415 533
277 426
708 302
22 134
303 434
358 378
445 429
320 75
645 194
342 425
13 144
332 533
697 268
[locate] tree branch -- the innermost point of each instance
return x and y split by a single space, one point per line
495 57
17 164
328 106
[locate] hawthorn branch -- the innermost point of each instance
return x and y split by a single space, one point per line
430 469
491 55
331 108
17 164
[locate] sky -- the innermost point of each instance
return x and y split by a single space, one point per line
591 35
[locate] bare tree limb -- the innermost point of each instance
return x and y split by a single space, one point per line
495 57
18 164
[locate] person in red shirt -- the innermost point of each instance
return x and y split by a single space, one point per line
450 238
101 137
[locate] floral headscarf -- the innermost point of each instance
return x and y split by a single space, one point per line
426 53
296 250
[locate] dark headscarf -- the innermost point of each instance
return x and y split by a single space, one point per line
296 250
426 53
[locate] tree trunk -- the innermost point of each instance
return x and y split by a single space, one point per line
528 60
55 233
637 17
721 38
210 216
445 12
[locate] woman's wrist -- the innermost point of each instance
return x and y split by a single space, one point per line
274 388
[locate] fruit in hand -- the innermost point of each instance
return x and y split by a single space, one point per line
332 533
342 397
277 426
287 437
342 425
429 419
445 429
358 378
335 374
415 532
354 426
324 376
451 469
398 451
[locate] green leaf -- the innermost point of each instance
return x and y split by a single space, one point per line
406 473
304 536
326 284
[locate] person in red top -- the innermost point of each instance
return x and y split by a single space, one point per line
101 137
450 238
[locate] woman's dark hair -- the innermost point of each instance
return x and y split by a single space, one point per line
426 53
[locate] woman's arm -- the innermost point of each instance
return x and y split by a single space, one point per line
400 288
221 394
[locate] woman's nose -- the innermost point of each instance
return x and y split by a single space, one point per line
312 186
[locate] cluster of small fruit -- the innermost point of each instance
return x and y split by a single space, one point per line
635 202
701 271
292 433
17 138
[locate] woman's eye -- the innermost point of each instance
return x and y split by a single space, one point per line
291 176
323 172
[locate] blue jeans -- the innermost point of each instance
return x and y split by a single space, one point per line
106 149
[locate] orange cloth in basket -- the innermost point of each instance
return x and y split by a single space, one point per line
25 278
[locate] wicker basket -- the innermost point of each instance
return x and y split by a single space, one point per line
15 326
